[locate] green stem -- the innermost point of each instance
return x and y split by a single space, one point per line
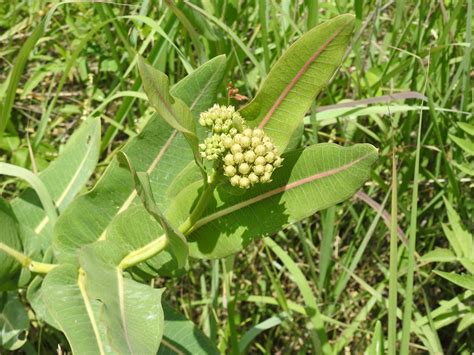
25 261
144 253
156 246
188 224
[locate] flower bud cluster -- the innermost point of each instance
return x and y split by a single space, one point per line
212 148
249 155
251 158
222 120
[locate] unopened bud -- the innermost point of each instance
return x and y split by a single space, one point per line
244 168
244 183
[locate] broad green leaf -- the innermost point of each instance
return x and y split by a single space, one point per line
174 237
158 150
9 237
131 312
181 336
172 109
78 316
312 179
466 281
296 79
466 144
64 178
439 255
14 322
34 295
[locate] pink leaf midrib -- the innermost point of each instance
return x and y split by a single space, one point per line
297 77
274 192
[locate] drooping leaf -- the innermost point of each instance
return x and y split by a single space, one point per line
158 150
181 336
172 109
297 78
14 322
9 237
131 312
174 237
312 179
64 178
466 281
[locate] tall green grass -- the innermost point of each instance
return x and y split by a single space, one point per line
348 279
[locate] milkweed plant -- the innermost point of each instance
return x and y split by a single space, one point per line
201 181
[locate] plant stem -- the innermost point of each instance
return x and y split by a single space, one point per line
25 261
156 246
188 224
144 253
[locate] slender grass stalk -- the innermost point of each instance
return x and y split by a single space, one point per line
393 282
407 312
263 13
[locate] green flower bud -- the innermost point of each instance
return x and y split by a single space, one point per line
236 148
249 156
270 157
256 141
259 170
227 142
266 177
244 183
260 161
277 162
247 132
245 142
235 180
229 159
230 170
260 150
258 133
244 168
268 168
238 158
253 178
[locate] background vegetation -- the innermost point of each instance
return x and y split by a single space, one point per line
410 69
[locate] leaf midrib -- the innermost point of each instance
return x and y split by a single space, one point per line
298 76
205 220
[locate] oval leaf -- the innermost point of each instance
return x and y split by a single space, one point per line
311 180
297 78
